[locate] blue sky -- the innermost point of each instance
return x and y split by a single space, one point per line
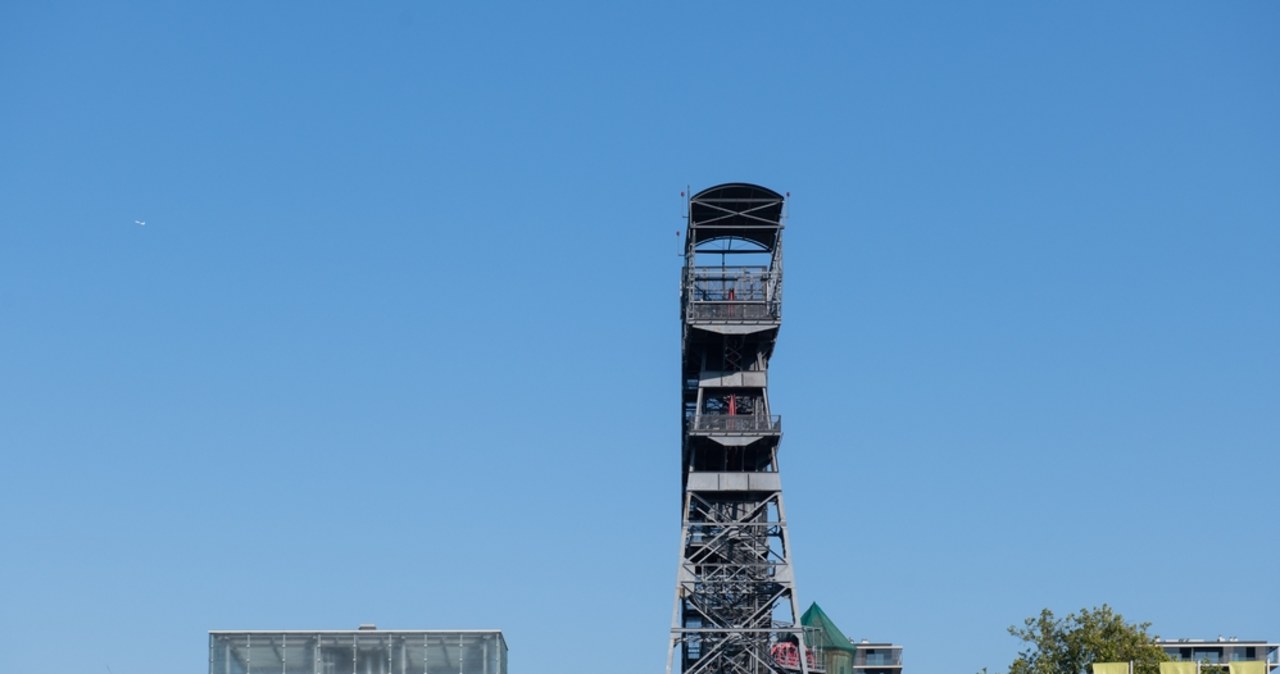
399 340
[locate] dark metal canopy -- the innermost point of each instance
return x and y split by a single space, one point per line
736 211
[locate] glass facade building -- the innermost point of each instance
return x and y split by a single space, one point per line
363 651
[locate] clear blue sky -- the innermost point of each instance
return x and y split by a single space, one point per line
399 340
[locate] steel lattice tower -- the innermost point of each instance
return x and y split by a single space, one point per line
735 606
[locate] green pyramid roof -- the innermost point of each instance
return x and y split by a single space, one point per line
828 635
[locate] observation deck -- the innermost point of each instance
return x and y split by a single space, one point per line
732 280
726 424
727 295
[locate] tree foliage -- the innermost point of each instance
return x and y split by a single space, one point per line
1070 645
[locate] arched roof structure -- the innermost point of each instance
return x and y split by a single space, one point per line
736 211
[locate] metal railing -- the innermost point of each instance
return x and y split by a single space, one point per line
736 424
887 657
732 294
734 311
787 655
744 284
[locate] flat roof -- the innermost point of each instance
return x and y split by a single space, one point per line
356 631
1219 642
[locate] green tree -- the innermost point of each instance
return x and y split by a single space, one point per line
1070 645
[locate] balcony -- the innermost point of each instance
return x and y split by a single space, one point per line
877 657
733 312
732 424
732 294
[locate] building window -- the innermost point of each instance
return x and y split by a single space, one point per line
1211 655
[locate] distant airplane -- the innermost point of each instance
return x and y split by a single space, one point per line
140 223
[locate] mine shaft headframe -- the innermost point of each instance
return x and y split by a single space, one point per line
734 608
732 213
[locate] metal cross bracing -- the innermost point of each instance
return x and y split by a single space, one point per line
735 605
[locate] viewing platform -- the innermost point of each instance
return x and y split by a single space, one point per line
725 295
735 425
